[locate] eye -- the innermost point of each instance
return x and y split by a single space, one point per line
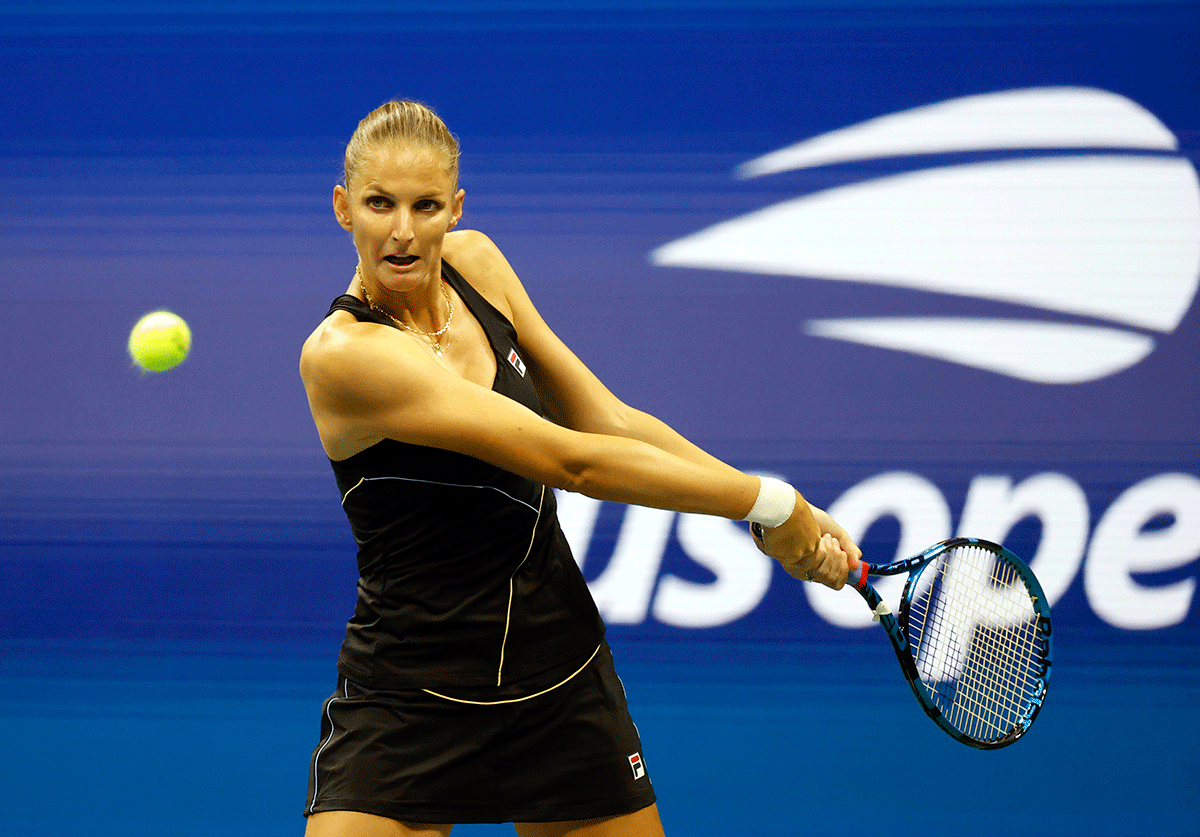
377 202
427 205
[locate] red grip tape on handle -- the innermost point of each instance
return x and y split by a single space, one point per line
857 578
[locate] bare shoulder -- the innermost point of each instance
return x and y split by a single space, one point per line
481 263
470 248
359 377
327 349
347 358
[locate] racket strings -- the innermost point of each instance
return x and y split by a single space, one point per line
976 641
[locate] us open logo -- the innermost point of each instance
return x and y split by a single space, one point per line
1090 217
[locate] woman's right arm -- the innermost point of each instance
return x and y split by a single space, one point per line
373 382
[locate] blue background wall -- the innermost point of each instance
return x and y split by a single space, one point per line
175 572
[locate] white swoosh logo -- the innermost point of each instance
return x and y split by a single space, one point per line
1047 353
1040 117
1114 237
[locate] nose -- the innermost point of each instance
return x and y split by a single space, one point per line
402 226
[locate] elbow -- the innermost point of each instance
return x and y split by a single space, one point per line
620 419
575 477
579 473
587 463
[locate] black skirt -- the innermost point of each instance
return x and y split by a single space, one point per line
569 753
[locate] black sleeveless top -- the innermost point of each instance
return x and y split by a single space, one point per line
467 583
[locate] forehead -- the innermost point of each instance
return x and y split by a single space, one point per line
403 165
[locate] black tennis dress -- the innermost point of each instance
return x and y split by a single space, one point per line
476 685
466 580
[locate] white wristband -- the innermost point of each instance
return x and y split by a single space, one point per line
775 504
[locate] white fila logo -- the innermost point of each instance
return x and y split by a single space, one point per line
1111 235
639 767
517 363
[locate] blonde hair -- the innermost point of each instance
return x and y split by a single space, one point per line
401 122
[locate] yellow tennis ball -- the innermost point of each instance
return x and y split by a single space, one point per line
160 341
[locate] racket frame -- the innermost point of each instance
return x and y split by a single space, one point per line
897 631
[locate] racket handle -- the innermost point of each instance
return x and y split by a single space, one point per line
858 578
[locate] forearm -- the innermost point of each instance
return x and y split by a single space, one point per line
644 427
633 470
628 470
806 520
618 467
798 536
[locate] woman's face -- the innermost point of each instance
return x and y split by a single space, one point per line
399 206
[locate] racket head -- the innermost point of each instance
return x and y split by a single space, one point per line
978 628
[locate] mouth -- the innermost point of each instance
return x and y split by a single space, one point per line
401 261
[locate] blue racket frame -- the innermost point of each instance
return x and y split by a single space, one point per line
897 631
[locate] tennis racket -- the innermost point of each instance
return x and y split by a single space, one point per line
973 637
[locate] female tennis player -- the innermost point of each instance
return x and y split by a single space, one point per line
475 684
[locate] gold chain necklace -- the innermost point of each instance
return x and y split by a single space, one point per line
434 337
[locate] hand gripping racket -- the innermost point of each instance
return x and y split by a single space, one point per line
973 638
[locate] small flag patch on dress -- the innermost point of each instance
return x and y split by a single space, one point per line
517 363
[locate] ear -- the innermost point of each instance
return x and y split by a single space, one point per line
456 209
341 207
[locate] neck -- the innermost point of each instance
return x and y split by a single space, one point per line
436 334
421 307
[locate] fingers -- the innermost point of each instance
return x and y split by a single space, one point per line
831 562
835 563
844 540
850 548
829 565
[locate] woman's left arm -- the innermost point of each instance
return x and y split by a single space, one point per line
571 394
